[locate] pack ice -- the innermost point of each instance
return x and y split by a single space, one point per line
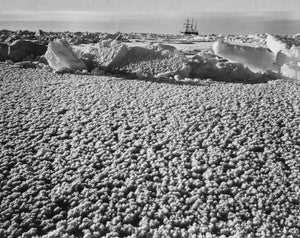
287 51
61 57
291 70
257 59
153 60
282 55
208 65
103 54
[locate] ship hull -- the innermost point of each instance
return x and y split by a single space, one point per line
189 33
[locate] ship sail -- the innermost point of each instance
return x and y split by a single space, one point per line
190 28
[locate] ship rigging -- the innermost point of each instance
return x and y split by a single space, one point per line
190 27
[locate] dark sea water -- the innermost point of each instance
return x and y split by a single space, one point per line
208 23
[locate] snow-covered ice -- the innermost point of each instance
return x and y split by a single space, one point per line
103 156
144 60
61 57
153 60
282 55
208 65
100 156
291 70
258 59
103 54
286 49
276 44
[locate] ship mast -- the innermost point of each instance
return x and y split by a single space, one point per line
190 28
187 25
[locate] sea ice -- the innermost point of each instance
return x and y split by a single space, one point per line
61 57
148 60
20 50
257 59
276 44
291 70
210 66
111 51
154 60
3 51
104 54
286 49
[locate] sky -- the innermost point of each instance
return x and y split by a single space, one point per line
133 6
123 15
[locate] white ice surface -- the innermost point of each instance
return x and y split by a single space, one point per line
291 70
257 59
208 65
104 53
276 45
286 49
61 57
139 58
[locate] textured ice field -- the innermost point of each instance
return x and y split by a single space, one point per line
88 156
193 47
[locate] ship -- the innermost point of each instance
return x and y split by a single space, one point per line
190 27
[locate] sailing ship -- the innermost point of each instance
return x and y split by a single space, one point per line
190 27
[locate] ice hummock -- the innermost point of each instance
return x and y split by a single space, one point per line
291 70
282 55
104 53
209 65
257 59
150 60
286 49
61 57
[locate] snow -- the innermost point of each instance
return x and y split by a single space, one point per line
103 54
286 49
145 60
192 48
282 55
210 66
258 59
111 51
61 57
157 56
291 70
92 156
275 44
153 60
295 50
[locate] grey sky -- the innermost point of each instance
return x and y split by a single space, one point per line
160 16
150 5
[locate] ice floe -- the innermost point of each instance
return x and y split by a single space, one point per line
103 54
149 60
154 56
257 59
211 66
155 60
282 55
291 70
286 49
61 57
